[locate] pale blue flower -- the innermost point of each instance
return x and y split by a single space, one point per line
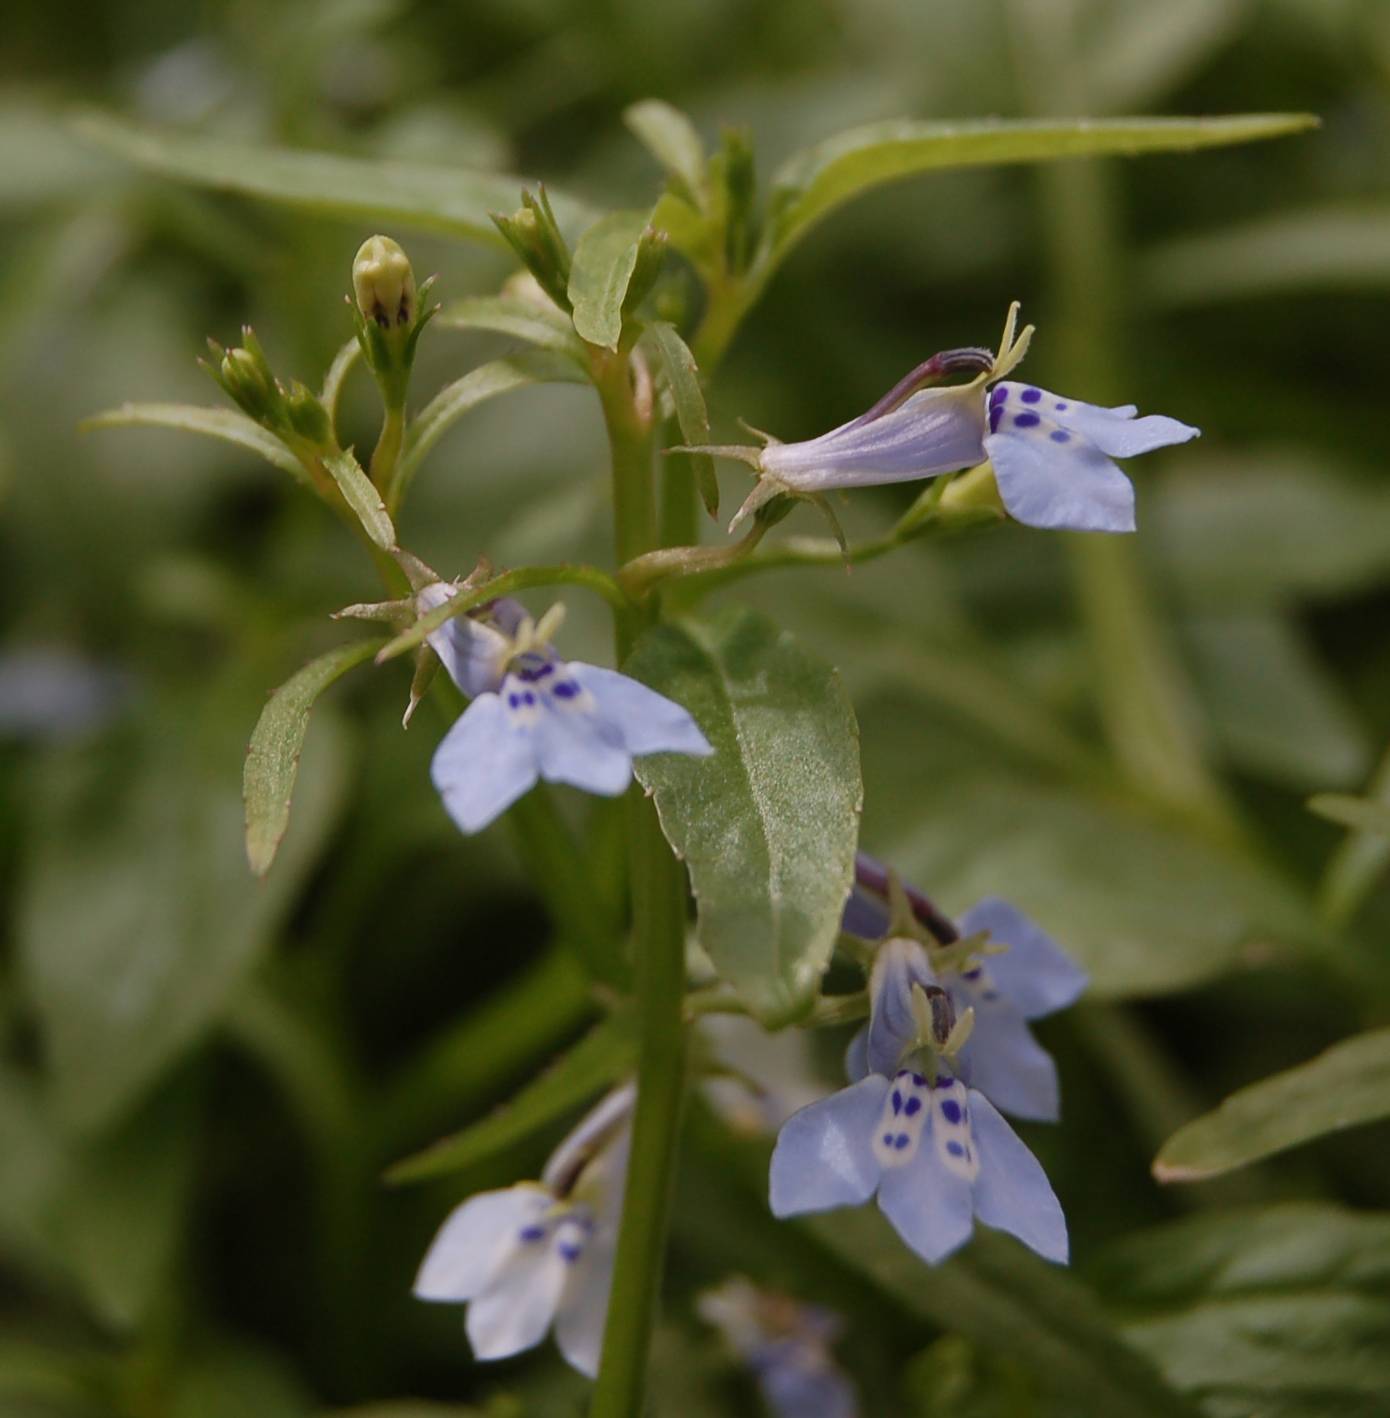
540 1253
1020 974
1051 454
535 715
935 1150
786 1344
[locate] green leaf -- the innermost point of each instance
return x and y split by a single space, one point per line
1279 1311
500 376
603 265
226 424
451 201
543 325
1327 249
604 1056
1360 814
812 183
1009 1302
769 825
361 495
272 760
671 138
1347 1085
684 380
138 922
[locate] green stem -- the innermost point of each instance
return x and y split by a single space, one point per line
386 458
658 931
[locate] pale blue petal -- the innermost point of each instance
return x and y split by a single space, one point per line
1035 974
857 1056
798 1382
824 1154
577 745
929 1205
864 915
484 764
898 965
935 431
477 1238
471 652
516 1309
584 1307
1012 1192
650 723
1069 486
1008 1065
1121 435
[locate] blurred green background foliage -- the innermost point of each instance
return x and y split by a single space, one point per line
203 1078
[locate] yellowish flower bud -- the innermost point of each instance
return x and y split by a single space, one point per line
384 283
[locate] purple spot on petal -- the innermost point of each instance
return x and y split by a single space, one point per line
1026 420
919 1080
955 1148
897 1101
570 1253
994 416
1031 396
944 1080
888 1139
1060 435
565 689
950 1110
972 974
545 670
532 1233
912 1107
999 396
514 700
901 1141
528 697
1061 406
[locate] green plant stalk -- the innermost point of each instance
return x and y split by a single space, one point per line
658 932
386 457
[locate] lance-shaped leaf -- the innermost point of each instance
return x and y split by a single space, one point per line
272 760
814 182
1007 1300
499 376
226 424
1280 1311
1346 1085
1360 814
672 140
605 1055
452 201
545 326
603 265
360 494
768 825
684 380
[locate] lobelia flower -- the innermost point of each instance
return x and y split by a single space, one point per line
1051 454
787 1346
935 1150
535 715
540 1252
1020 974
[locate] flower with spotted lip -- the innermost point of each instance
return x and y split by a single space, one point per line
1051 455
542 1252
787 1346
936 1151
535 715
1018 974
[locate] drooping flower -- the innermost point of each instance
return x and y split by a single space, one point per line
787 1346
935 1150
760 1078
1017 973
1051 455
535 715
539 1253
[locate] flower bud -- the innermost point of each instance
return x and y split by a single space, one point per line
534 234
245 374
651 252
308 418
384 283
